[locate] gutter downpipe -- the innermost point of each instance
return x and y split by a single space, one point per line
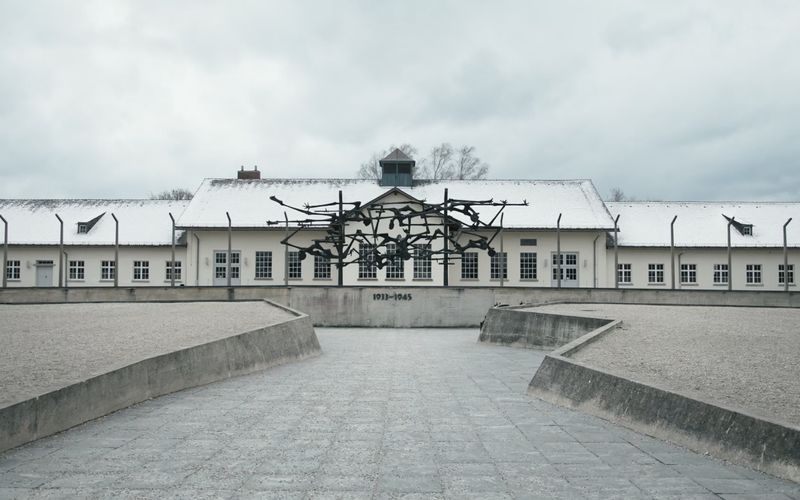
116 250
5 252
558 250
286 252
672 250
197 261
66 278
616 253
594 262
786 258
229 248
340 243
60 254
445 257
730 268
504 260
172 262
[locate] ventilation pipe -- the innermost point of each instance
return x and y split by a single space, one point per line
60 253
116 250
558 250
786 258
5 251
672 250
730 269
616 252
172 265
230 237
445 256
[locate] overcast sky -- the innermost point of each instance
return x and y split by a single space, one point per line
669 100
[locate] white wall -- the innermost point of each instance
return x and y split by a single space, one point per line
249 241
704 258
157 256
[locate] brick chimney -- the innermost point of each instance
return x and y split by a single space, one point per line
248 174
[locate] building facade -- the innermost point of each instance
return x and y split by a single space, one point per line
250 231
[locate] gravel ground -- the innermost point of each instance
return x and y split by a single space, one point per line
46 347
738 357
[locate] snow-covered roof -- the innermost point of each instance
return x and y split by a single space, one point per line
703 224
141 222
249 205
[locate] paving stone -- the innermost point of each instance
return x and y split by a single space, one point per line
417 414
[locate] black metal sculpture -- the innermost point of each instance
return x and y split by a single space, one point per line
419 225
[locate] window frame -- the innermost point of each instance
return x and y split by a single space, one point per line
142 267
688 274
322 268
294 266
528 266
469 266
395 266
13 270
655 274
367 267
423 263
263 265
108 270
791 274
721 271
624 273
168 271
753 274
76 270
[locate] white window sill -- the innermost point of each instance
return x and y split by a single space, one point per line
422 279
754 284
17 280
471 279
71 280
625 284
140 281
176 281
367 279
262 279
294 279
721 284
395 279
107 280
657 284
322 279
689 284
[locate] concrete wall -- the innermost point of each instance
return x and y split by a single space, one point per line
509 326
702 427
401 306
236 355
704 259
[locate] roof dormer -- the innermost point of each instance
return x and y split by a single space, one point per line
397 169
85 227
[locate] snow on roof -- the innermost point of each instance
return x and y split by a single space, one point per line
249 205
703 224
141 222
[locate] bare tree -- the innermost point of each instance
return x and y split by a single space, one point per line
371 169
173 194
441 162
617 194
469 166
444 162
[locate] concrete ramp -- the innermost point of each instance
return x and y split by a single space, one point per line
521 327
289 340
727 433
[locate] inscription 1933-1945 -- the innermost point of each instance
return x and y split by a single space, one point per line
391 296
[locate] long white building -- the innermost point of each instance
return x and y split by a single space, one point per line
232 233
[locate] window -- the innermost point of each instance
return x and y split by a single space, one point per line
780 273
469 266
141 270
322 267
177 268
688 273
295 266
107 269
77 270
753 274
396 266
747 230
624 274
655 273
527 266
13 268
720 274
422 262
366 262
83 227
498 266
235 256
263 265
